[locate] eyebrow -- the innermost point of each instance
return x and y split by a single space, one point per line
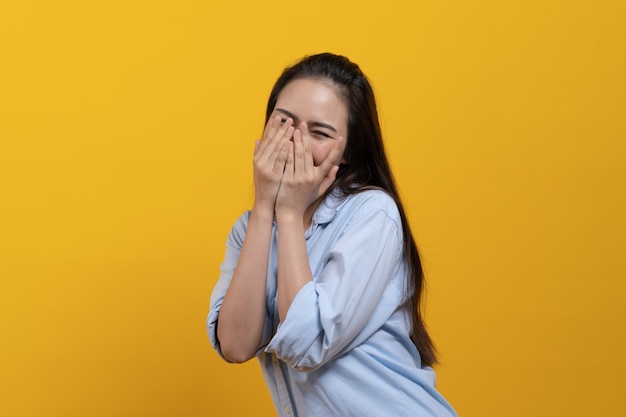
310 124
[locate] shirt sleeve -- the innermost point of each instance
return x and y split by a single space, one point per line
352 297
234 243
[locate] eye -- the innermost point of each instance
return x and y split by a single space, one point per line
320 134
282 121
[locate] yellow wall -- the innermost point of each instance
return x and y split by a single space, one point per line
126 135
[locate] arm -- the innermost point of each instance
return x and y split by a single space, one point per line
293 262
359 288
301 188
242 314
362 282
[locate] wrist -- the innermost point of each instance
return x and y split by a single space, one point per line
263 212
289 216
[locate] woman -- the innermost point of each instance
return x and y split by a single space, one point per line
322 280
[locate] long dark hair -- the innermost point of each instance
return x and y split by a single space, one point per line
366 164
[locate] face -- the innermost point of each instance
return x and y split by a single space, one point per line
315 103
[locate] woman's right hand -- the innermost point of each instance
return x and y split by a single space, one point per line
270 156
242 314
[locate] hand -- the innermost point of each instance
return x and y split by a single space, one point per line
303 182
270 156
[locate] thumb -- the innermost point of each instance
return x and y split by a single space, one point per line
334 156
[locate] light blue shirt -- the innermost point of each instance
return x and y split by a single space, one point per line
344 347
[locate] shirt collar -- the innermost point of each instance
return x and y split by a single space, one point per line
326 211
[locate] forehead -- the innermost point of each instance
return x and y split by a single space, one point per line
313 100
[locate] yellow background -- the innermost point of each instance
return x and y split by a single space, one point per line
126 136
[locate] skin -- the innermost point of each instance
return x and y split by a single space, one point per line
294 164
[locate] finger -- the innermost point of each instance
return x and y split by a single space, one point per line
270 127
272 138
334 156
287 155
285 137
282 128
298 151
306 148
282 135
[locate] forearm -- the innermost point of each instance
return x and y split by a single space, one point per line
294 270
242 314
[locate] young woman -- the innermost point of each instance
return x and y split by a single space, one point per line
322 280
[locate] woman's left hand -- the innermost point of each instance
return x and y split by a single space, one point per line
303 182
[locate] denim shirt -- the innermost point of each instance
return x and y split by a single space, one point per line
344 347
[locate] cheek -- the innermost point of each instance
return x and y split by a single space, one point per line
320 151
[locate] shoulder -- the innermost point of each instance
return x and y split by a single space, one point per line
238 231
369 215
371 201
369 206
